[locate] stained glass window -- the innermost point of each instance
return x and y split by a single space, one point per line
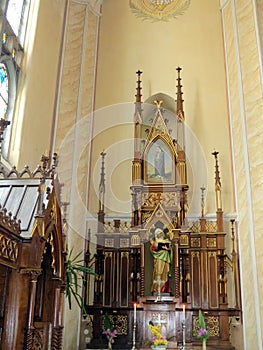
12 32
3 90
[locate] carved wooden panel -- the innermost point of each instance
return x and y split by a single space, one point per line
212 324
212 280
196 279
4 274
120 323
108 279
124 279
9 248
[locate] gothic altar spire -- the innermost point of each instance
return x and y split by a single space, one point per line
138 107
219 211
179 96
180 138
138 118
217 183
101 213
179 112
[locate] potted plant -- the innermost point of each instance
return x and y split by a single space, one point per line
75 276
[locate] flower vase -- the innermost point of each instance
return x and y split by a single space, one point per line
109 345
204 344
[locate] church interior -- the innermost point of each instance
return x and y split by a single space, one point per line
130 181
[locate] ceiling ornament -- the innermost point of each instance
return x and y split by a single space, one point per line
159 10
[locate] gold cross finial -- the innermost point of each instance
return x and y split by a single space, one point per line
158 103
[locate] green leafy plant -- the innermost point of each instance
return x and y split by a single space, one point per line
75 277
201 333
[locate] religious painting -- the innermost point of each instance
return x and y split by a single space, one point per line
159 163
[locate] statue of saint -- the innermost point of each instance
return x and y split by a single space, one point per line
162 254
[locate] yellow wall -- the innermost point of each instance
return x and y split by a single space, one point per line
244 72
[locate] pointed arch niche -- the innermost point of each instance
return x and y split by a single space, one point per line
159 156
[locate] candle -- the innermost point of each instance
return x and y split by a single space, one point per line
134 319
183 312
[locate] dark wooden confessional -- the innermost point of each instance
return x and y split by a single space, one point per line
32 259
124 264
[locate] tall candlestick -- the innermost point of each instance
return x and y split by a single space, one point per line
183 312
134 327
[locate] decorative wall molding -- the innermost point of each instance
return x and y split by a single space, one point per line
159 10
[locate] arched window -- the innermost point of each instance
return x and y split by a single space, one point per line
3 89
14 14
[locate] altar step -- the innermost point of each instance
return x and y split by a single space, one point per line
174 346
187 347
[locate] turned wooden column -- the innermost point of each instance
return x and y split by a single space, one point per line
31 307
56 343
176 269
142 284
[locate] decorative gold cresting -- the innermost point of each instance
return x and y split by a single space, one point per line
159 10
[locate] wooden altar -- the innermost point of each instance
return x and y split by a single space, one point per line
124 262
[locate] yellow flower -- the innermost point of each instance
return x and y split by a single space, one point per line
158 338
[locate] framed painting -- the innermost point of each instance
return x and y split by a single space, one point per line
159 163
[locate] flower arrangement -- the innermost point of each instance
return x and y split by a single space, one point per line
158 339
109 331
201 333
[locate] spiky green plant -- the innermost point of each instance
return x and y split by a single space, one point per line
201 333
75 277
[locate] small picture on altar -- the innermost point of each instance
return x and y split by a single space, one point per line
159 164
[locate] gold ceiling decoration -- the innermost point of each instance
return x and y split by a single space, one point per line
159 10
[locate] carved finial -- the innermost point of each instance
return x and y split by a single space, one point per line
233 234
202 201
217 183
217 176
138 88
101 213
47 168
158 103
102 174
138 103
179 95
